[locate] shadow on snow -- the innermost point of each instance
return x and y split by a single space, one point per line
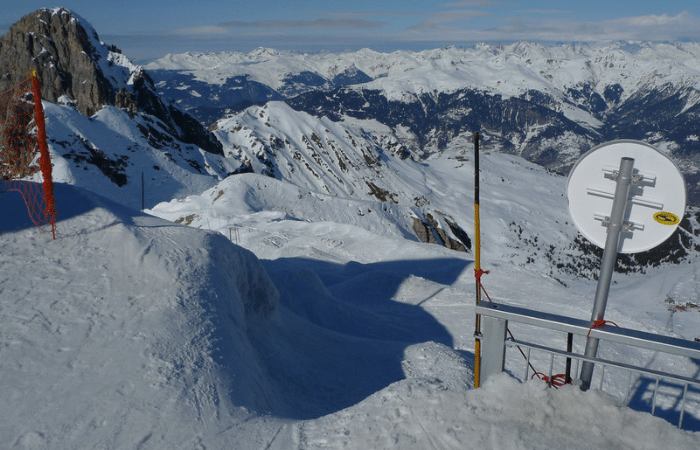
338 336
669 400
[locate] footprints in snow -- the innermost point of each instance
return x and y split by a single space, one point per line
280 240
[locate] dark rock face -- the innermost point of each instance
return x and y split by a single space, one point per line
72 63
55 44
430 232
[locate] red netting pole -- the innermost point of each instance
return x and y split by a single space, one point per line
44 158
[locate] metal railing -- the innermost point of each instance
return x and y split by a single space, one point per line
495 319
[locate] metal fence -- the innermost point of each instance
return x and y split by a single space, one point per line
678 390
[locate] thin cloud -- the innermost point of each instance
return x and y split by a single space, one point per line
477 4
354 30
652 27
315 24
544 11
456 16
435 21
211 30
364 14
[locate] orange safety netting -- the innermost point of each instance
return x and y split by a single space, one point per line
25 165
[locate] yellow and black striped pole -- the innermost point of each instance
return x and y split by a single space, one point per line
477 264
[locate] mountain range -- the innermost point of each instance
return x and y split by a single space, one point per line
360 128
548 104
282 289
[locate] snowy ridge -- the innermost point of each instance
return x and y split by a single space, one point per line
109 152
343 163
337 158
506 70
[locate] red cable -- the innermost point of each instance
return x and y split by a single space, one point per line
598 324
557 381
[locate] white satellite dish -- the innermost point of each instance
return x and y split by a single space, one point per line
656 201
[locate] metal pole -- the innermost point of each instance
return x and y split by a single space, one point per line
569 348
143 192
612 245
477 265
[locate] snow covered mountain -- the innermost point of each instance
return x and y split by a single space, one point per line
508 70
364 169
293 297
133 153
547 104
106 124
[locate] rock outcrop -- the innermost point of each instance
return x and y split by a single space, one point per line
59 47
75 67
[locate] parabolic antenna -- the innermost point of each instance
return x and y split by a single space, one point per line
656 201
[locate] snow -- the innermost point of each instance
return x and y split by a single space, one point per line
301 312
114 137
507 70
130 331
562 71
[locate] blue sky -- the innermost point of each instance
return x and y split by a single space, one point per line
147 29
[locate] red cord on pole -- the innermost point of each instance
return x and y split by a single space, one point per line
598 324
557 380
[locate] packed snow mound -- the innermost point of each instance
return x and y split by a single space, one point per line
423 413
125 329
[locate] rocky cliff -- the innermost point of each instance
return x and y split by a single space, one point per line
76 67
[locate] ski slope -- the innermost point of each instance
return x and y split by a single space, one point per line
129 331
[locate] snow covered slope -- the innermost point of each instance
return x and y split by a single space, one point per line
127 329
346 164
110 152
132 332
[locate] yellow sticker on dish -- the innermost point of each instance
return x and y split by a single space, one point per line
666 218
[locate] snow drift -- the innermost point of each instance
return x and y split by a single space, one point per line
125 329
